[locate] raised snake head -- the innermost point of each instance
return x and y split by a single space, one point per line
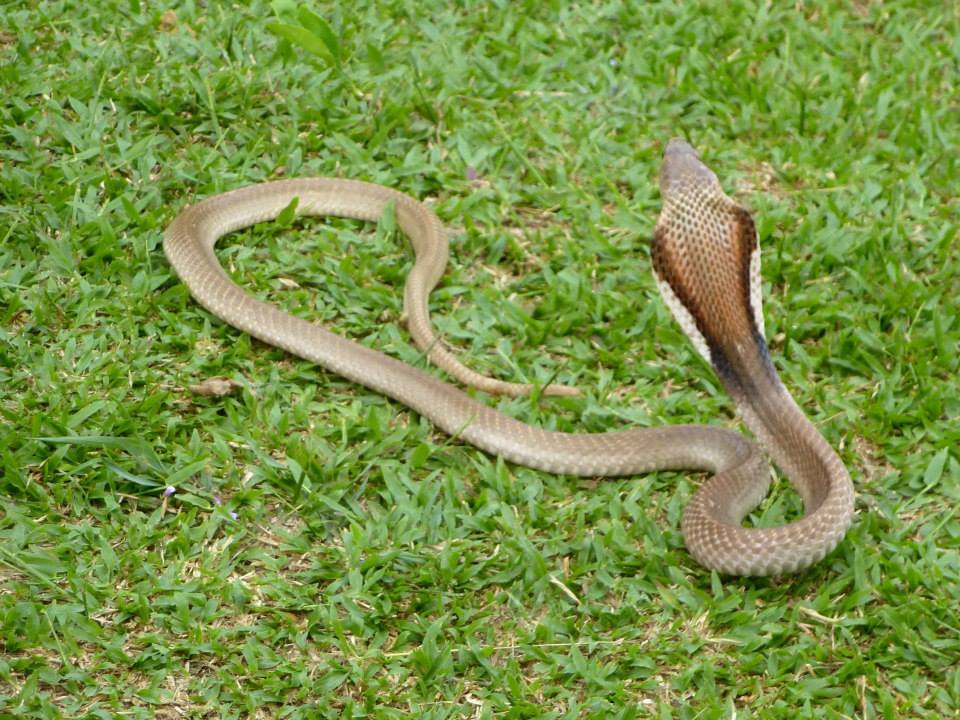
706 260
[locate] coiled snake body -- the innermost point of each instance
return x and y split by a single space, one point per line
706 261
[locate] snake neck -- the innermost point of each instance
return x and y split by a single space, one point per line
773 416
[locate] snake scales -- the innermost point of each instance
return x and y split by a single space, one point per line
706 262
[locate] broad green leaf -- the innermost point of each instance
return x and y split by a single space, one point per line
375 57
136 447
288 214
303 38
934 469
321 28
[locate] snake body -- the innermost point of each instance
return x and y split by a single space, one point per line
706 261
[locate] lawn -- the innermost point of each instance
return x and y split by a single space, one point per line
305 548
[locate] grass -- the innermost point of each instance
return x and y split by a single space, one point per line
326 552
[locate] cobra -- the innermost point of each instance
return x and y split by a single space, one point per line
706 260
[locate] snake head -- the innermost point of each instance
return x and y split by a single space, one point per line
706 260
682 170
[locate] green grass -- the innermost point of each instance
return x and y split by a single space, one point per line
326 552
